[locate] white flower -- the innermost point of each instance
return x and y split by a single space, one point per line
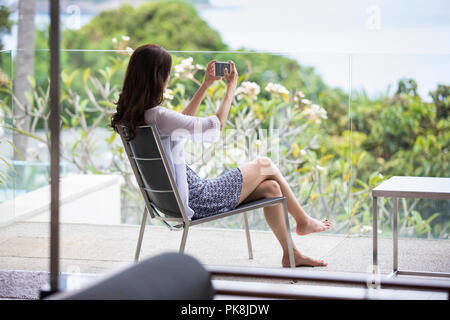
3 77
250 89
276 88
316 113
365 229
168 94
168 97
125 38
298 96
306 101
199 67
322 113
114 40
129 50
184 69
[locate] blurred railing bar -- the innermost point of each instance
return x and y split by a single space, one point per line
342 53
368 280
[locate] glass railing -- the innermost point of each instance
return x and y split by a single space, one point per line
30 175
332 142
400 128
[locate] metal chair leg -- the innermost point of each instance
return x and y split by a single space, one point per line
184 238
249 240
395 237
288 235
141 235
375 234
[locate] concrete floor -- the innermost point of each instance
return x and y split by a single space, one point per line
89 248
98 248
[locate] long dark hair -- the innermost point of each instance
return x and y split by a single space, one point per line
143 86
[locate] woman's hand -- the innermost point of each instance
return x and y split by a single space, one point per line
231 81
231 77
209 74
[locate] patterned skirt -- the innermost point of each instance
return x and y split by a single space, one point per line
208 197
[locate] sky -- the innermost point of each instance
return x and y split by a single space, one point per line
352 43
334 26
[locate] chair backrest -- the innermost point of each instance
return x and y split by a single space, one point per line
152 171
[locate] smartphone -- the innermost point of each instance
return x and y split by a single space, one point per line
219 68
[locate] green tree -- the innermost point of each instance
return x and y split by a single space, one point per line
177 26
5 22
173 24
441 98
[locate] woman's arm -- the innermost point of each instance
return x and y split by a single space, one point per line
180 126
187 120
231 81
192 108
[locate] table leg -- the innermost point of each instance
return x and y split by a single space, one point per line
375 233
395 236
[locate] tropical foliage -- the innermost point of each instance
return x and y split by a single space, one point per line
331 151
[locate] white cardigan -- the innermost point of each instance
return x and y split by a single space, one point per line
174 128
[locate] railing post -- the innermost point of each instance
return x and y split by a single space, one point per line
54 127
54 151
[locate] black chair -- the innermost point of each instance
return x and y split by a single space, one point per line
162 200
168 276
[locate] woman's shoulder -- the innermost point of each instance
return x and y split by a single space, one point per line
160 109
155 108
149 114
161 115
163 112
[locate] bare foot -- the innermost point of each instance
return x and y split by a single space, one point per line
313 225
301 260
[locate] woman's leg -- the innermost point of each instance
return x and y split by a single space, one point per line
275 219
261 169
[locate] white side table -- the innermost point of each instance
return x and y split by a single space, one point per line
407 187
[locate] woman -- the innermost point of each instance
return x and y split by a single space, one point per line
139 103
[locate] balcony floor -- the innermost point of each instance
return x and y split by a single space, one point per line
89 248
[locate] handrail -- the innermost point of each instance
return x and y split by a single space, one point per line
367 279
